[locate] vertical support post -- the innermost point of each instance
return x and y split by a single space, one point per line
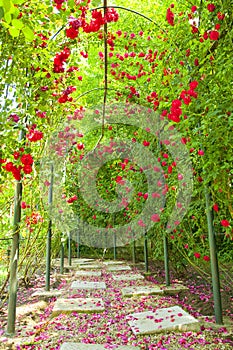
14 261
48 256
49 235
8 255
62 257
146 252
133 250
78 243
14 257
213 261
166 260
69 250
114 247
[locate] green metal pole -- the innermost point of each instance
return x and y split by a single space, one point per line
48 257
146 252
49 236
114 247
78 244
166 260
214 261
14 254
69 250
62 258
14 261
133 252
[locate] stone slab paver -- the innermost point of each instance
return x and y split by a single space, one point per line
113 262
118 268
129 277
82 346
141 290
174 288
48 294
88 285
172 318
91 273
70 267
90 266
83 261
81 305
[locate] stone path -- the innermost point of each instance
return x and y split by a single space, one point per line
128 277
88 285
90 266
88 273
150 290
78 304
81 346
118 268
164 319
141 323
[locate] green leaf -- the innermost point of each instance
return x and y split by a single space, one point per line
1 13
16 12
18 2
71 3
17 23
7 5
14 32
5 25
96 3
7 17
28 33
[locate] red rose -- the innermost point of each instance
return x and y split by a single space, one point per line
206 258
16 173
27 159
27 169
9 166
225 223
197 255
71 33
214 35
193 85
23 205
211 7
170 17
194 8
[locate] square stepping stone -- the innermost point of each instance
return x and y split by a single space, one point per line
70 267
173 288
166 319
82 346
90 267
128 277
77 262
141 290
82 260
47 294
113 262
88 273
118 268
87 305
88 285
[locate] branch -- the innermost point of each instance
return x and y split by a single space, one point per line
105 74
88 91
59 30
126 9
